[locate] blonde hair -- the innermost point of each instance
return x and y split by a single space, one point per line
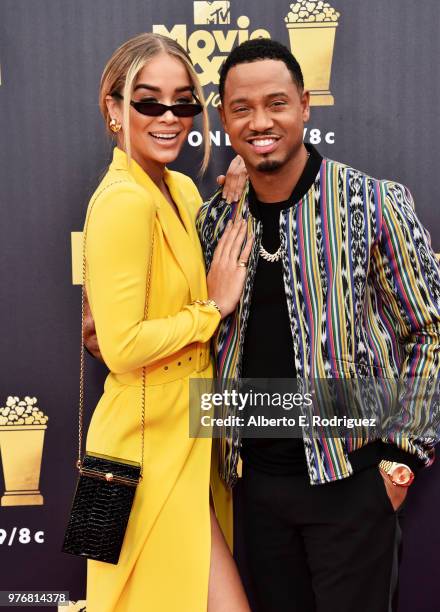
124 66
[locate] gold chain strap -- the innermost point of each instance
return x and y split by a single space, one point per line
147 294
82 361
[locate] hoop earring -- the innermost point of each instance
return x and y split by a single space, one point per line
114 126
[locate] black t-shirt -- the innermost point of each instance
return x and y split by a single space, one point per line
268 345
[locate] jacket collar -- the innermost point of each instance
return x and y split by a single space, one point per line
305 181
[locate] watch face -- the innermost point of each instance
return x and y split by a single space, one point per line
402 476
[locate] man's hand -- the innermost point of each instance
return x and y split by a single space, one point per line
234 181
396 494
90 339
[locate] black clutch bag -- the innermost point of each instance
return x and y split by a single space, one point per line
106 485
101 507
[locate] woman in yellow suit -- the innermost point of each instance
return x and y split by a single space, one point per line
174 557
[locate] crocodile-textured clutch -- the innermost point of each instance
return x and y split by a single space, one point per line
101 507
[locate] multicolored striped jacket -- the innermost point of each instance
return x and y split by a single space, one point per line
362 287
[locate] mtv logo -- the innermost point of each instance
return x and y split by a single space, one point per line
216 12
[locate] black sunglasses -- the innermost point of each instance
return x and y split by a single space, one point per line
155 109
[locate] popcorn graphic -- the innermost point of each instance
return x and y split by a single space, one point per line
22 429
311 12
312 30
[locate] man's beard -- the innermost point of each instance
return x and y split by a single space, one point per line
269 165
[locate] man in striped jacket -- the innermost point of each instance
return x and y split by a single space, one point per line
342 284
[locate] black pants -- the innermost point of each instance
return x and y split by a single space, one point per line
323 548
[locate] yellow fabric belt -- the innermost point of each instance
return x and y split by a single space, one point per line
192 358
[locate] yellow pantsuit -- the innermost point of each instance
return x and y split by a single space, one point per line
165 558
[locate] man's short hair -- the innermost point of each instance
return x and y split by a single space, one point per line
260 49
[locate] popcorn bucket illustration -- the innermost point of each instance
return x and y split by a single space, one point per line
312 31
22 429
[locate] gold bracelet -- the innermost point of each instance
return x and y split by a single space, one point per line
386 465
208 303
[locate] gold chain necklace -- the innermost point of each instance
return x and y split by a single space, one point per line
272 257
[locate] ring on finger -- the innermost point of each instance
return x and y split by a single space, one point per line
242 264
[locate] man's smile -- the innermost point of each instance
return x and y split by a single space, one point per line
263 144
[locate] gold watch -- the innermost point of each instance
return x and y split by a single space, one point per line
399 473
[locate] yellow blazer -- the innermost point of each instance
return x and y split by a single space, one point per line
164 563
126 210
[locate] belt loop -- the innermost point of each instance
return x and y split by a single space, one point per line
202 356
199 355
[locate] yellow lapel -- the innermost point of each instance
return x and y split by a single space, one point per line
182 239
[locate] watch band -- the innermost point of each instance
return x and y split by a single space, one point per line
386 465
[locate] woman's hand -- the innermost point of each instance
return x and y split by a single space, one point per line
234 181
227 274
